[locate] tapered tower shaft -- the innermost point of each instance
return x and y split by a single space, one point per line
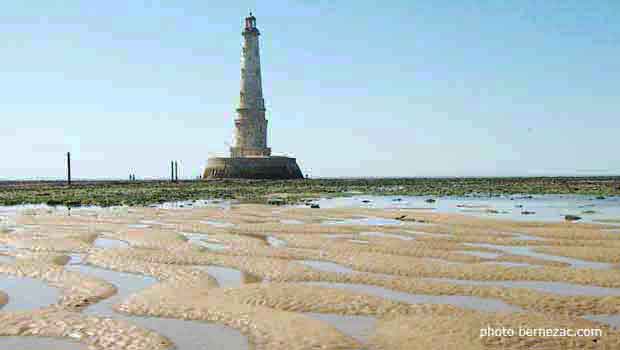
250 135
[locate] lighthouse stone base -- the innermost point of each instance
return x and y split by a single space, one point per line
270 167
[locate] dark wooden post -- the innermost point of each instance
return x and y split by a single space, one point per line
171 171
69 168
176 171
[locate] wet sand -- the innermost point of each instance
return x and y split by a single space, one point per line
239 276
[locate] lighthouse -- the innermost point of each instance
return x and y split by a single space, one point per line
250 134
250 157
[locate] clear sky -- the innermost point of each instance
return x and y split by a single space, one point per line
352 88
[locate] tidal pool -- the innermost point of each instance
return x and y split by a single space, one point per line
10 343
464 301
527 251
560 288
387 235
276 242
217 223
545 207
186 335
226 277
610 320
27 293
365 221
485 255
359 328
105 243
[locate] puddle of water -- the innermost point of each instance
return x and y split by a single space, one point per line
138 226
339 235
186 335
337 268
126 284
76 259
464 301
39 343
291 222
27 293
275 242
326 266
523 237
510 264
611 320
110 243
6 259
218 223
359 328
365 221
359 241
225 276
388 235
527 251
560 288
485 255
546 207
200 240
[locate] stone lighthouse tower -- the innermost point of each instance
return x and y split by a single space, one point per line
250 135
249 155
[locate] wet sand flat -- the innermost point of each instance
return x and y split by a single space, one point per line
248 276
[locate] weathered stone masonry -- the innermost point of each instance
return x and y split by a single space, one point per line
249 155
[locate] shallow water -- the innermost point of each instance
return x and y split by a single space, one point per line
39 343
485 255
527 251
217 223
291 222
524 237
138 226
5 259
560 288
464 301
200 239
186 335
105 243
359 328
276 242
326 266
226 277
509 264
611 320
546 207
27 293
365 221
387 235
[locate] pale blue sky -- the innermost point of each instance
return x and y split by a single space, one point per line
353 88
